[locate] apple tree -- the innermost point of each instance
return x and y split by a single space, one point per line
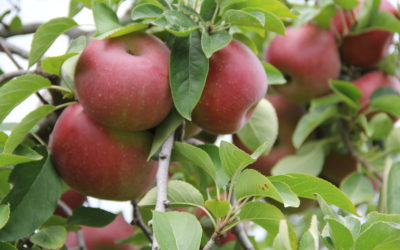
228 124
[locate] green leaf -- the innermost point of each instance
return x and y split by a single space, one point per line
178 23
207 9
247 41
23 128
342 236
46 34
233 159
105 19
266 216
251 183
77 45
219 208
15 24
4 185
309 159
358 188
4 214
274 6
22 154
353 224
33 199
347 91
179 193
262 127
75 6
197 156
325 15
347 4
310 121
310 238
376 217
378 235
177 230
213 42
289 198
92 217
368 10
17 90
273 23
123 30
387 103
164 130
146 11
52 65
393 190
188 73
275 77
282 240
243 18
385 20
393 140
50 237
306 186
6 246
213 151
325 208
381 125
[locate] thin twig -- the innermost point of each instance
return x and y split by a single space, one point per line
9 54
162 179
15 49
241 235
9 75
68 211
194 141
138 221
346 138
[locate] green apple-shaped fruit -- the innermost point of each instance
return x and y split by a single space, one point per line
105 237
123 82
288 114
371 81
99 161
308 56
235 83
72 199
368 48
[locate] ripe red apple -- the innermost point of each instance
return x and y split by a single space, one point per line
98 161
235 83
371 81
72 199
308 56
288 115
105 237
337 166
368 48
123 82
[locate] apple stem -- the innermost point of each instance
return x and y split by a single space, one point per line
138 221
162 178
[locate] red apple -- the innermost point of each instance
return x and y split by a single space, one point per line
235 83
309 57
368 48
98 161
123 82
288 115
72 199
337 166
370 82
105 237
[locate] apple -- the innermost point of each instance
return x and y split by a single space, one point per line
72 199
308 56
288 114
105 237
337 166
123 82
99 161
368 48
371 81
235 83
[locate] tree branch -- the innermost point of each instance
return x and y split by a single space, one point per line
214 238
9 54
68 211
9 75
349 145
138 221
241 235
14 49
162 179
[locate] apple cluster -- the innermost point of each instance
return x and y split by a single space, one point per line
309 57
101 146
